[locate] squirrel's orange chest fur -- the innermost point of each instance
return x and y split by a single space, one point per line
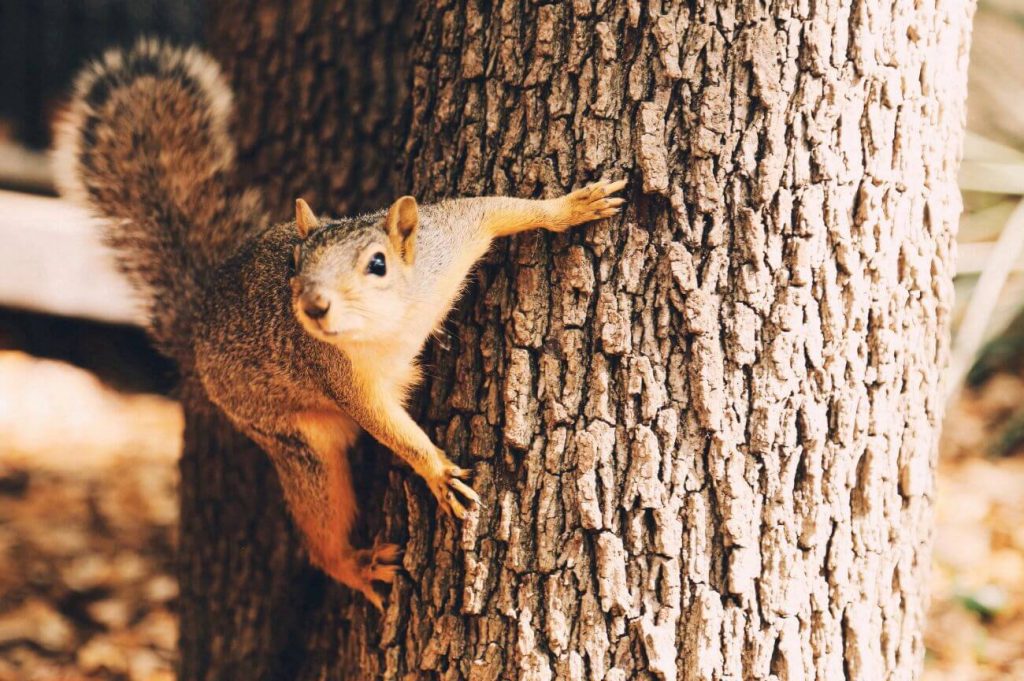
391 366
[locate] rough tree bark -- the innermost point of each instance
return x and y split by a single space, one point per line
704 432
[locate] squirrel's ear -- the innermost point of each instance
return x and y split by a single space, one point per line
305 220
402 220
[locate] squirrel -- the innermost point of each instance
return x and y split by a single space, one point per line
305 333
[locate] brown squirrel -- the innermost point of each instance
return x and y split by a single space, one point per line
306 332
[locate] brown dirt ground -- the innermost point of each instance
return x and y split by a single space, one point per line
88 484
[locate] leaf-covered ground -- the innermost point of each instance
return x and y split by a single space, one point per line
976 628
87 520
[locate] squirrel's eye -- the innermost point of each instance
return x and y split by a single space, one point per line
377 265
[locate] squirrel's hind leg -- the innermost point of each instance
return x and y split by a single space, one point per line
313 468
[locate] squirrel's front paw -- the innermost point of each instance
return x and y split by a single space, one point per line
453 495
587 204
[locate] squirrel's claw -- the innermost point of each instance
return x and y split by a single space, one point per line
375 599
455 507
455 504
602 188
383 553
453 495
465 490
589 203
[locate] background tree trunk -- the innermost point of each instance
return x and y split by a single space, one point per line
703 432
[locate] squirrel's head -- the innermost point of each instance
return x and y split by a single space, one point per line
351 277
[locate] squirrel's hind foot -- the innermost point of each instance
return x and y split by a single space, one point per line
380 563
360 569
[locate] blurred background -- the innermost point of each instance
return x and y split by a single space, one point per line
89 432
89 436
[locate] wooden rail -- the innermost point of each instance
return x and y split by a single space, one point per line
52 261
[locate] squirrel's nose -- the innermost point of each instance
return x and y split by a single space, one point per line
315 304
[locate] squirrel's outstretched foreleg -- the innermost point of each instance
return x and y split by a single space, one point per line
504 216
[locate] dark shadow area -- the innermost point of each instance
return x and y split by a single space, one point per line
121 356
43 43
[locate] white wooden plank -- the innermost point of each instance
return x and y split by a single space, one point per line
52 261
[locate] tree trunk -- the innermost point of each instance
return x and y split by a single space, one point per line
704 432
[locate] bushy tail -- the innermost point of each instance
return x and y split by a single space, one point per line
145 146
